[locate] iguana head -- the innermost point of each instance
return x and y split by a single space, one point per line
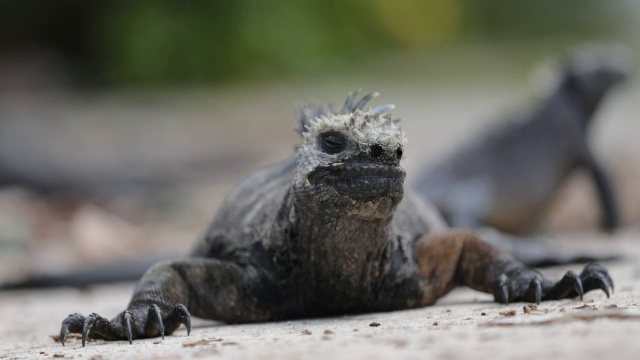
351 161
592 70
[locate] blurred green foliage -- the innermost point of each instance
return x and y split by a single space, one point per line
171 41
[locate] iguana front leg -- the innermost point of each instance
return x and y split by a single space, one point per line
458 258
606 194
208 288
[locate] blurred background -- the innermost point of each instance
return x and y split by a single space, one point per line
124 123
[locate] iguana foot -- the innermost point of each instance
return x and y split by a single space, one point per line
136 323
527 284
519 284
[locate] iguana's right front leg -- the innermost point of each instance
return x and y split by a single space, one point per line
606 193
460 258
170 292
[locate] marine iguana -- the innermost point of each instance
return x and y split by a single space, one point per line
331 231
508 177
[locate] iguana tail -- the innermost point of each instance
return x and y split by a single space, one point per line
112 273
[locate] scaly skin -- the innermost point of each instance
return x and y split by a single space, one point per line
332 231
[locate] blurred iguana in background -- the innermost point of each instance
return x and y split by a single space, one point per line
507 177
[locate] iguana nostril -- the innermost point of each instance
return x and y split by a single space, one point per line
399 153
376 151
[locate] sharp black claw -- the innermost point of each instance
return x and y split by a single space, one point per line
577 285
597 277
64 330
187 323
579 290
611 284
602 282
86 327
186 317
126 315
503 290
156 310
608 281
538 286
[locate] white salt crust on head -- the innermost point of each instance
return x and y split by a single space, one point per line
362 130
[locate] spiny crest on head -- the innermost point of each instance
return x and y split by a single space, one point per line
305 113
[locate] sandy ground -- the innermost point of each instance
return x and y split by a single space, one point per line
463 325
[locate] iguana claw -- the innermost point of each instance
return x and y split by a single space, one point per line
577 285
185 316
126 316
536 285
154 311
86 327
502 295
594 277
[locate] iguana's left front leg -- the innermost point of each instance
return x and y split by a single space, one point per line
208 288
460 258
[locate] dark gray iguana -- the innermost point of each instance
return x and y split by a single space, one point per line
508 177
331 231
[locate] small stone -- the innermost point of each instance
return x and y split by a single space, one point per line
508 313
532 309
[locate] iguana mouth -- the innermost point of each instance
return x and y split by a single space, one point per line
361 181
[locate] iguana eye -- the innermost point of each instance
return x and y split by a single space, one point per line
333 142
